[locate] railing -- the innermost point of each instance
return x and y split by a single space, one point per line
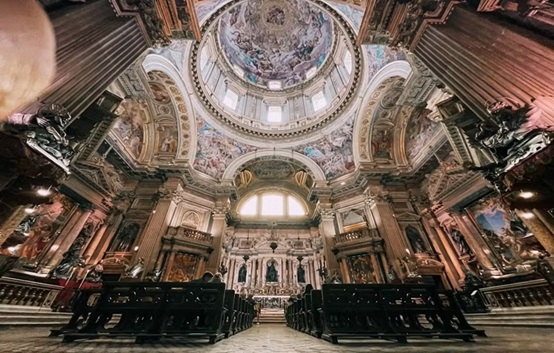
354 235
522 294
15 291
187 233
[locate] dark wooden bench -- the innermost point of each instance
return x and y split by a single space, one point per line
379 311
149 311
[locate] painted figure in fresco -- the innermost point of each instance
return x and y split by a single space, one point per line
415 240
381 144
301 274
168 144
126 237
271 275
242 274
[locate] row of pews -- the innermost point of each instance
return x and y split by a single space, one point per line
384 311
149 311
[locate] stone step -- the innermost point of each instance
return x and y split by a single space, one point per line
15 315
540 316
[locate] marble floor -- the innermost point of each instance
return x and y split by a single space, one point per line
280 339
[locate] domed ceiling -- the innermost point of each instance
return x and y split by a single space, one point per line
276 40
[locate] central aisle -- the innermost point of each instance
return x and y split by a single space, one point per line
280 339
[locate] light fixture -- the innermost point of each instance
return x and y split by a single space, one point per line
526 194
527 215
30 210
136 248
342 183
43 192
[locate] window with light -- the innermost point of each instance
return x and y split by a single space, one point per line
272 204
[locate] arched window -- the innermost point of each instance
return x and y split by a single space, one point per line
272 204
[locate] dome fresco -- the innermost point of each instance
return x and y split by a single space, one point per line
277 40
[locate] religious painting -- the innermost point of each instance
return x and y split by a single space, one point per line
419 133
277 40
167 137
183 268
159 93
215 150
333 152
381 143
39 229
506 235
361 269
129 128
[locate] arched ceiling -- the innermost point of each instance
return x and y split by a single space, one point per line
378 132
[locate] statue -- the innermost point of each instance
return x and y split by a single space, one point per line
126 237
153 276
300 274
95 274
414 237
71 258
460 242
242 274
392 275
271 274
135 270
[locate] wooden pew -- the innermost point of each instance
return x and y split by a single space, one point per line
385 311
152 310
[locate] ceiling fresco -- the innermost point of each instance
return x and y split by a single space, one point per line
353 15
419 132
333 152
215 151
278 40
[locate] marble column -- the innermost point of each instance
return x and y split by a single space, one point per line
112 225
327 229
474 239
149 242
482 58
345 273
395 241
218 233
317 276
376 268
70 237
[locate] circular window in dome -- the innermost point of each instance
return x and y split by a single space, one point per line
276 43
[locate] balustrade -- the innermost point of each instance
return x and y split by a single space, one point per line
523 294
187 233
353 235
26 293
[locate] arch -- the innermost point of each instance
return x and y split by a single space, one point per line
256 199
235 166
364 118
156 62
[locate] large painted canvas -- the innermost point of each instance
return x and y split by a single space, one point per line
277 40
38 229
183 268
504 232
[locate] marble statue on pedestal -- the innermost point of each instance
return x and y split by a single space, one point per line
271 275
